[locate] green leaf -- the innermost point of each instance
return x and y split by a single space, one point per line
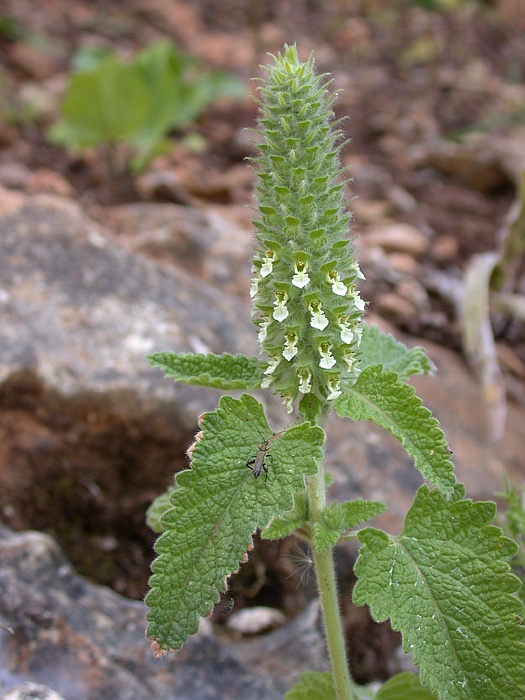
381 397
106 105
404 686
360 510
157 509
217 508
314 685
224 371
379 348
336 518
318 685
160 66
445 583
288 523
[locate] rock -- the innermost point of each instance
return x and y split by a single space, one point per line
403 238
81 312
87 642
473 163
255 620
31 691
14 175
202 243
48 181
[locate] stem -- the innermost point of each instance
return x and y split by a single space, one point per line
345 688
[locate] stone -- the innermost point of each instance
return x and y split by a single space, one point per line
255 620
403 238
87 642
80 312
201 242
31 691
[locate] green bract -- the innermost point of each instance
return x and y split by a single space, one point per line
304 288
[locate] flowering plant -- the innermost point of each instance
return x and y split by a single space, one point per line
445 581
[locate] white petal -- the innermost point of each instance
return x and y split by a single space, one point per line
339 288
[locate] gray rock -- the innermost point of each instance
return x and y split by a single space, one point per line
87 643
80 313
31 691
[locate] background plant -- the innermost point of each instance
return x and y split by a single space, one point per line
108 101
445 581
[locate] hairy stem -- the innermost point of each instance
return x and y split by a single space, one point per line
345 688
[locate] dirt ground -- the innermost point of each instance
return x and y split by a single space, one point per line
413 81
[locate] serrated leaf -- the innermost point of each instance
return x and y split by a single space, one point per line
227 372
217 508
361 510
404 686
445 583
313 685
381 397
157 509
286 524
380 348
318 685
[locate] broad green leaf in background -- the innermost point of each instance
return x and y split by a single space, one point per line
446 584
318 685
217 507
106 105
227 372
404 686
158 508
379 348
381 397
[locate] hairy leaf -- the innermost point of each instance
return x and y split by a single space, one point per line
404 686
157 509
336 518
217 508
360 510
379 348
313 685
381 397
286 524
445 583
227 372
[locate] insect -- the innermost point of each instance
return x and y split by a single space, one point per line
228 606
257 463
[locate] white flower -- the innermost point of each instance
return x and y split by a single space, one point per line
337 286
347 335
301 277
327 359
288 402
359 303
274 361
263 329
349 358
254 287
357 270
335 390
359 334
268 261
305 381
280 311
290 346
318 320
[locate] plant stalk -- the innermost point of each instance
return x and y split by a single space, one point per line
345 688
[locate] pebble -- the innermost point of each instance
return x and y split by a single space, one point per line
392 305
444 248
403 238
255 620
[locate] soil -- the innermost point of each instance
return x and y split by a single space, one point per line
408 74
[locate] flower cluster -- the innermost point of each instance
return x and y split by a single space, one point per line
305 301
